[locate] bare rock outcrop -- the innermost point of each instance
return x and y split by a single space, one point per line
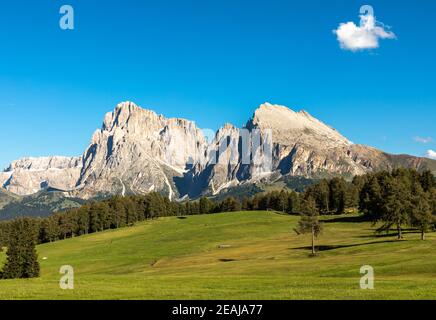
30 175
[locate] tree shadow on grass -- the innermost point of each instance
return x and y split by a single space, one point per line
391 233
353 219
340 246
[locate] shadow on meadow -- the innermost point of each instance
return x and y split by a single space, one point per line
391 233
340 246
349 219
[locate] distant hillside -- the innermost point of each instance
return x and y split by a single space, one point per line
41 204
6 198
239 192
406 161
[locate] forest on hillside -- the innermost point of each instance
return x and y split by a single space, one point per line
395 199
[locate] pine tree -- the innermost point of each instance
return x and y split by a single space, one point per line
94 218
131 214
427 180
22 259
119 213
338 188
293 202
422 216
205 205
396 206
309 222
370 199
283 201
4 234
245 204
432 197
230 204
321 193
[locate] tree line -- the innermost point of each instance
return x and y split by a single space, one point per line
399 198
395 199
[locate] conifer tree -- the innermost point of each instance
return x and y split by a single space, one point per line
427 180
421 211
283 201
205 205
370 199
22 259
321 193
309 222
396 206
338 195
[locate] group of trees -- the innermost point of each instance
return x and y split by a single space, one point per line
332 196
113 213
396 199
399 198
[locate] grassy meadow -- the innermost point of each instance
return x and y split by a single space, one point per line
243 255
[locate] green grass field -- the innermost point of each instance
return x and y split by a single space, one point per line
260 258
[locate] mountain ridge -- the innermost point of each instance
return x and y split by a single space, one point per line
137 151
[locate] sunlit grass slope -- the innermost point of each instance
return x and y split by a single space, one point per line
244 255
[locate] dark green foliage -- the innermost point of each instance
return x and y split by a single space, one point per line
399 198
41 204
338 195
22 259
230 205
427 180
238 192
283 201
298 184
371 198
4 234
321 194
309 222
293 203
334 196
421 212
205 205
396 207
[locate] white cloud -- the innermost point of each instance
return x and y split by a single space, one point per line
366 36
431 154
423 140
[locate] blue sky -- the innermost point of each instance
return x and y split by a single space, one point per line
213 62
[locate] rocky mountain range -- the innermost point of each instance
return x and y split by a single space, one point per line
137 151
30 175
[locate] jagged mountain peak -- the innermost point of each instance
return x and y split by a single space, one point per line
139 151
129 115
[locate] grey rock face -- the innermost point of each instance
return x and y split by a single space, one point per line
138 151
30 175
